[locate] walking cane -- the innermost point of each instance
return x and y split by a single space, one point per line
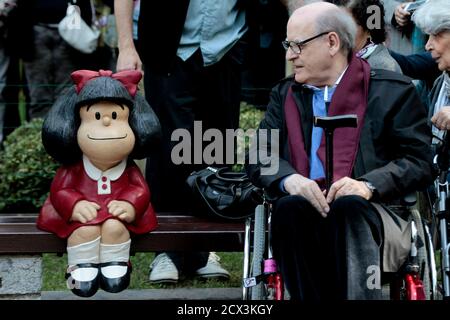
329 124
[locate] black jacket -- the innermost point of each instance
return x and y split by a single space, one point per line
418 66
394 150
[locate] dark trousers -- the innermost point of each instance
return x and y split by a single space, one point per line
327 258
190 92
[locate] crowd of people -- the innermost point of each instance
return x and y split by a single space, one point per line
346 57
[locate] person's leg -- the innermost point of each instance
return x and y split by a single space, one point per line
38 75
221 95
4 64
331 258
64 62
174 99
296 241
11 95
354 239
217 91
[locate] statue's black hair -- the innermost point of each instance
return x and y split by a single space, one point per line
59 132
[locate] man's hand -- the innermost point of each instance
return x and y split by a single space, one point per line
84 211
129 60
128 57
348 187
402 16
442 119
122 210
298 185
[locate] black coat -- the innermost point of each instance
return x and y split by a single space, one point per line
418 66
394 150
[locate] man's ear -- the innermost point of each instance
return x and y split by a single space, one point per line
334 43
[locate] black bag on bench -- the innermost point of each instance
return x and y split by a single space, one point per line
223 193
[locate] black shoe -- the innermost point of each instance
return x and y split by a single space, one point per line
115 285
82 288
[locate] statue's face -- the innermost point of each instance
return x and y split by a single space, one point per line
104 136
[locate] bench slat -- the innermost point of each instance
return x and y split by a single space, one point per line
19 235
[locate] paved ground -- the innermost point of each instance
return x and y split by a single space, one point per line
153 294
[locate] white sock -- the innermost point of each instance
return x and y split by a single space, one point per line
88 252
115 252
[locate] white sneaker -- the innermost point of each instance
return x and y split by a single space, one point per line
163 270
213 269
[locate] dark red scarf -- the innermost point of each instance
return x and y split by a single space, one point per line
350 97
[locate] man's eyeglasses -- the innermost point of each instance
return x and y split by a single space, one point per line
296 46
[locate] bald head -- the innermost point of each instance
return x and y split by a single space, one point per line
323 17
309 13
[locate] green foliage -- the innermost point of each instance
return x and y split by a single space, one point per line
250 117
26 170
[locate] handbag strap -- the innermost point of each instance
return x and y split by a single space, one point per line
209 205
219 175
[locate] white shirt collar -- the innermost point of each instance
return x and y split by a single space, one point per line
95 174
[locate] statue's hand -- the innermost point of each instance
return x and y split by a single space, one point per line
84 211
122 210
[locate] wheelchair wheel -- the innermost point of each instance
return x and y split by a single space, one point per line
259 240
424 255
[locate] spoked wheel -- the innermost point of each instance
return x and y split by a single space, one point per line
257 292
425 260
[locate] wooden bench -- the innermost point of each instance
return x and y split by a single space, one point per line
22 244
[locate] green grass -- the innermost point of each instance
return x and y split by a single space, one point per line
54 270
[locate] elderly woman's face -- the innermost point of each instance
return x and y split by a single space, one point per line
104 135
439 46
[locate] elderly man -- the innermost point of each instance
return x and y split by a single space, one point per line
434 19
333 244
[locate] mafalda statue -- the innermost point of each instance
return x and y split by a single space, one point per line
98 196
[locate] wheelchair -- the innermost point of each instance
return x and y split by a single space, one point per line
415 280
441 212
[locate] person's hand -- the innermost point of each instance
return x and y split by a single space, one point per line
122 210
129 60
298 185
402 17
442 119
348 187
84 211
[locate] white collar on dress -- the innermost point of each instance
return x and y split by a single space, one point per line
112 174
